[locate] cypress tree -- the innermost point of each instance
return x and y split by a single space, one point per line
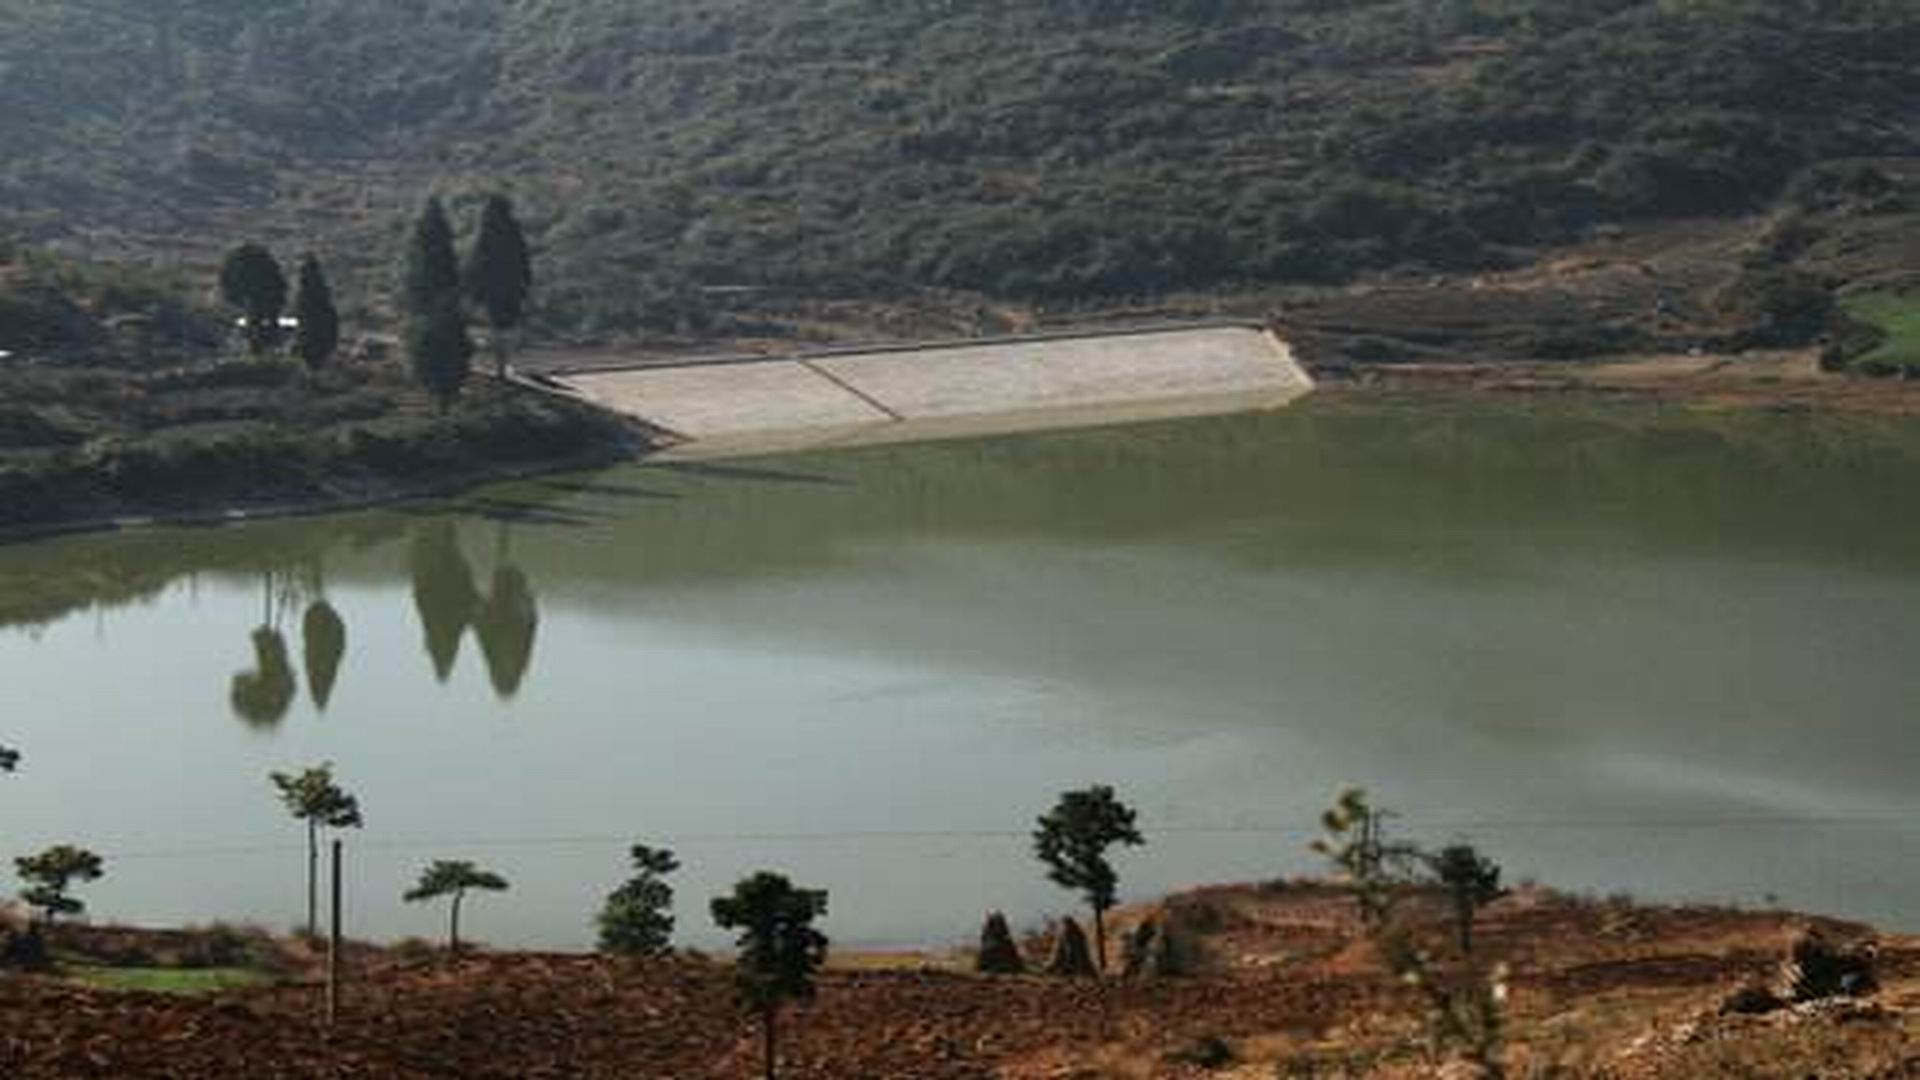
439 349
432 272
499 273
319 333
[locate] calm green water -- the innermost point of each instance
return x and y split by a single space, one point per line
1622 650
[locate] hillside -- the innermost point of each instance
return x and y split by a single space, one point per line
684 162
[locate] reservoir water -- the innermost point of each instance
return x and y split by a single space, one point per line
1665 653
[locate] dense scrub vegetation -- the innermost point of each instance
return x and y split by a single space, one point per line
1042 150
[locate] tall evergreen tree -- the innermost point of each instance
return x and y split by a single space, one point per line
499 273
432 274
439 349
251 281
318 335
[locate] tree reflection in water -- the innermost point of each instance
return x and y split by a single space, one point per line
443 592
261 696
506 626
323 636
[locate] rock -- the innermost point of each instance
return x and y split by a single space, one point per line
998 953
1072 957
1818 968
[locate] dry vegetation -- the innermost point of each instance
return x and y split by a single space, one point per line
1287 988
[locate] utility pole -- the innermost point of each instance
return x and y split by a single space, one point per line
333 944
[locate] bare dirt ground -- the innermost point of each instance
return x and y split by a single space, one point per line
1600 989
1783 380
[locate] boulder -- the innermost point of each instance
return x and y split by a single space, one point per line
998 953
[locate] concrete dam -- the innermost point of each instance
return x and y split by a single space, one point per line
736 406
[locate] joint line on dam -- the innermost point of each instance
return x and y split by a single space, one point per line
843 384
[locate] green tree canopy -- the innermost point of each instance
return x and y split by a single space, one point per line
318 335
499 272
432 273
51 873
250 280
1072 840
453 877
779 949
9 758
1472 882
312 796
439 348
637 919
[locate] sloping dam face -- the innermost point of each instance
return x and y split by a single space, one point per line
745 406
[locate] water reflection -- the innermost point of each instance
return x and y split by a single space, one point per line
323 636
506 623
262 694
444 595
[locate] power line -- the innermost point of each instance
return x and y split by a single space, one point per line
911 835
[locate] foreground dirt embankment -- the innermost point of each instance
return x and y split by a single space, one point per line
1286 987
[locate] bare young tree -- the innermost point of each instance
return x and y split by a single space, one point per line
312 796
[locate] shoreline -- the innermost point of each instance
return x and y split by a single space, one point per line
323 505
1783 381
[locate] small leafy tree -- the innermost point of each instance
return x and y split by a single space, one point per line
1072 841
439 349
9 759
312 796
318 335
251 280
637 919
453 878
1472 882
50 873
432 273
1356 845
779 948
499 273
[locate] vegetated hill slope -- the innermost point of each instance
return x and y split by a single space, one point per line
1046 150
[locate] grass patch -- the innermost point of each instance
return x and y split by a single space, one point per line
167 980
1898 317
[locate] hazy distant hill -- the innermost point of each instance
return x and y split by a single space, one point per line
1041 149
